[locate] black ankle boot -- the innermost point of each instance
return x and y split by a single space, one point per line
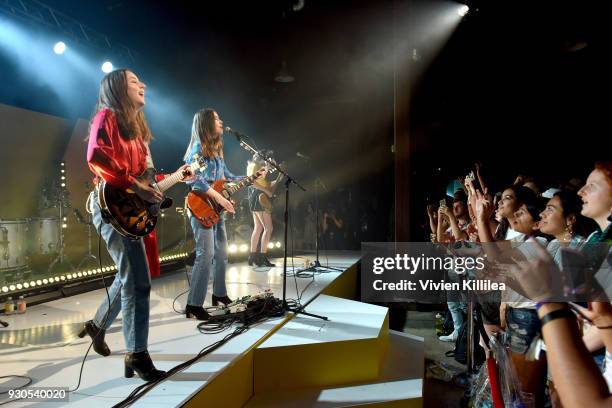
252 258
266 261
97 336
223 299
196 312
259 259
142 364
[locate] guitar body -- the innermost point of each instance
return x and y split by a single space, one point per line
129 214
204 208
265 202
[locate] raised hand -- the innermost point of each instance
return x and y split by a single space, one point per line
484 206
186 172
598 313
539 278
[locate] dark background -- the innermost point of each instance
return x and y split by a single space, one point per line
508 89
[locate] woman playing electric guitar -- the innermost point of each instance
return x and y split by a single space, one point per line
117 154
211 242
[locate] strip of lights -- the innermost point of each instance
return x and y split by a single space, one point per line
235 248
74 276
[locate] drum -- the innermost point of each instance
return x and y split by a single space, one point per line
13 244
43 236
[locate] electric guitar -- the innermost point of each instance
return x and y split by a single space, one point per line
129 214
206 210
267 202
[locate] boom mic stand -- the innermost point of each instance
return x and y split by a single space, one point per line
316 265
288 181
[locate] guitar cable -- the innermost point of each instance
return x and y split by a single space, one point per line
92 340
107 296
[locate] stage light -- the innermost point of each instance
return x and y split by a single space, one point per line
19 286
233 248
45 281
26 285
39 282
270 245
278 244
244 248
12 288
107 67
4 289
59 48
463 10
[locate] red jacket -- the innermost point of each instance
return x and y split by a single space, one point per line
118 161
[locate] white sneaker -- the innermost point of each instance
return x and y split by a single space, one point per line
451 337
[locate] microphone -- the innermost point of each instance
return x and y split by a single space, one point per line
236 133
303 156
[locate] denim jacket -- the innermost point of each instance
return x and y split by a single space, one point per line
216 170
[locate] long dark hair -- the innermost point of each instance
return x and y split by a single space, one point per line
113 95
523 195
203 130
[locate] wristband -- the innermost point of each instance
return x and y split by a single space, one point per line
557 314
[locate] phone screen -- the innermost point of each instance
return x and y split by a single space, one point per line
573 265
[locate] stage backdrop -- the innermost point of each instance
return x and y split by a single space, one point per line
33 146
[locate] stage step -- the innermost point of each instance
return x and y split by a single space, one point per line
399 384
310 352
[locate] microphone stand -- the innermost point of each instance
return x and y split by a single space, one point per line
316 265
288 181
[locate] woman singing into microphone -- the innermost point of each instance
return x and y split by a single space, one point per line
210 243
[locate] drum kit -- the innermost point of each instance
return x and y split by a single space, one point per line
27 243
35 245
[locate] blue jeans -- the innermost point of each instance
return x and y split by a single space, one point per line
211 251
131 288
522 326
457 309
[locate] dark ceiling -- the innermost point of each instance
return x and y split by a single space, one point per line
518 82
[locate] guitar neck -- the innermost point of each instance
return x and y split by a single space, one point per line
169 181
243 183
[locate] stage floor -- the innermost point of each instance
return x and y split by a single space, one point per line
43 344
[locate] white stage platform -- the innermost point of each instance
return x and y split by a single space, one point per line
42 344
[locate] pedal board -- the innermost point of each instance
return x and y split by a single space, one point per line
242 308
